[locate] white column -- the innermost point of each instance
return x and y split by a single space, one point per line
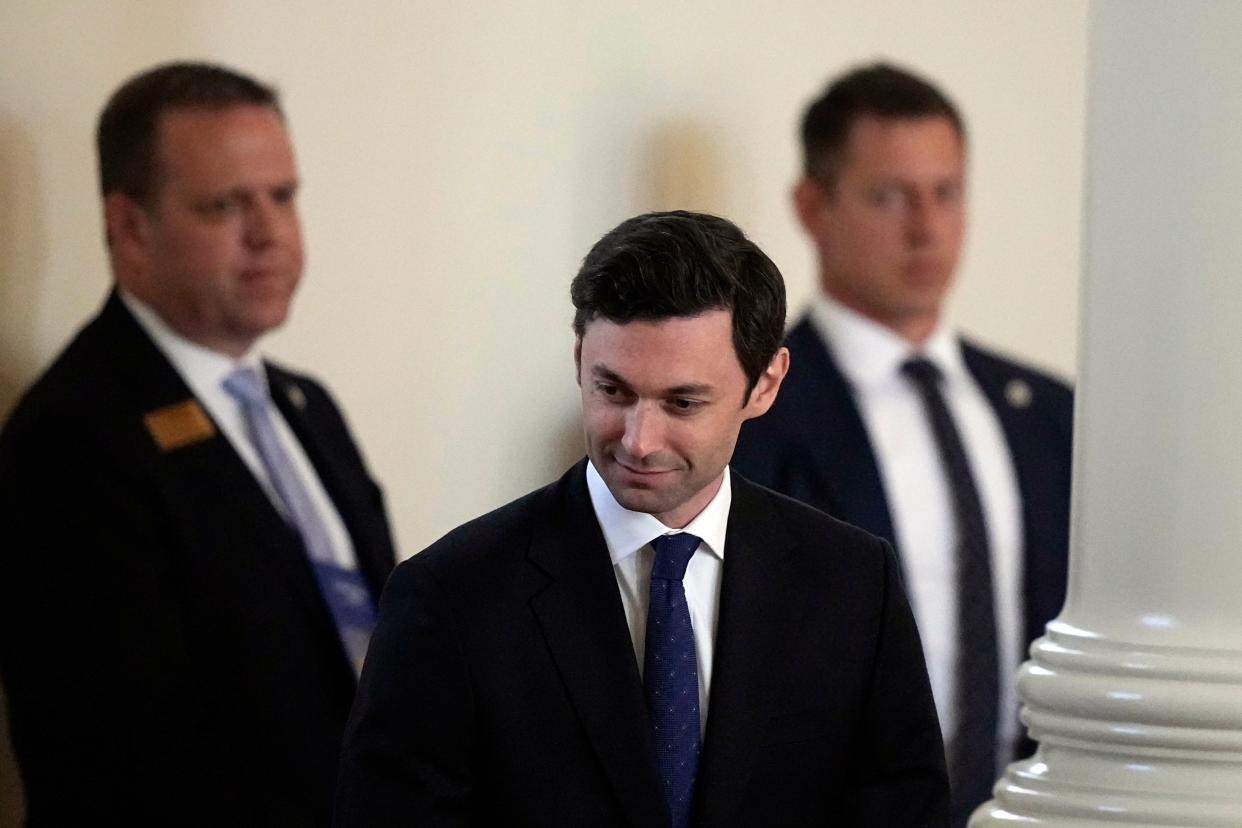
1135 692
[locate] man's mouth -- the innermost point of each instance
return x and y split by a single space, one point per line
641 471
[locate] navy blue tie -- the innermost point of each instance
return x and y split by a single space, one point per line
671 674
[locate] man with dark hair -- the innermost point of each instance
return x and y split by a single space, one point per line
650 641
888 420
188 580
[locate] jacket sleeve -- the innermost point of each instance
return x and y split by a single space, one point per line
408 752
108 718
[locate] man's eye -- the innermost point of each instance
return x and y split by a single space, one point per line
949 193
284 195
681 405
607 390
888 197
220 206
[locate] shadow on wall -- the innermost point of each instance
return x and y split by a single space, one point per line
21 261
22 253
681 168
677 164
568 447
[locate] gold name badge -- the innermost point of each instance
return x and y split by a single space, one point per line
179 424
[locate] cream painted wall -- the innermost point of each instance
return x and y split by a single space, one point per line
459 159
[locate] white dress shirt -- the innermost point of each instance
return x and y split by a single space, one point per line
204 371
629 535
919 499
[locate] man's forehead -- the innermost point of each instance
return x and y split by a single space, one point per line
674 352
705 324
873 137
220 144
196 126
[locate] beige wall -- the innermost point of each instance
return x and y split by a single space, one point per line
459 159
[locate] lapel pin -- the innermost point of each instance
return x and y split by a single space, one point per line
179 424
296 396
1018 393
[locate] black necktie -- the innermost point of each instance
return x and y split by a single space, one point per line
972 753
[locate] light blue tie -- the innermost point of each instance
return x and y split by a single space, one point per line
671 675
343 588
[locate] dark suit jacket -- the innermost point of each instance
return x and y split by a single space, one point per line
502 687
812 445
164 645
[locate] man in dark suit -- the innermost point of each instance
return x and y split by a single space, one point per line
891 422
651 641
187 578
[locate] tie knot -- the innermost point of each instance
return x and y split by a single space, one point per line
672 555
923 371
245 386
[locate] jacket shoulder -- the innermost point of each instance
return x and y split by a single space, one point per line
73 399
809 528
992 367
283 376
478 548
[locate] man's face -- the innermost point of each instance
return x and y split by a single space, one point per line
217 251
662 406
889 230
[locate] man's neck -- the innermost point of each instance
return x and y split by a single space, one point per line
913 328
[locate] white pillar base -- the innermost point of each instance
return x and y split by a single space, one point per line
1135 692
1128 735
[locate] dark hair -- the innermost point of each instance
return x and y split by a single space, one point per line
125 135
879 90
662 265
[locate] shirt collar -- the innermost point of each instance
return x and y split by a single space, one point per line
626 532
869 353
197 364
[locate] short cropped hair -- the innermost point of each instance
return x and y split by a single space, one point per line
880 91
126 133
662 265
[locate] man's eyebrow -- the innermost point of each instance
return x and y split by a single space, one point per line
692 390
604 373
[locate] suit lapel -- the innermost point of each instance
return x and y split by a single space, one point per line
583 623
208 473
215 464
312 427
1039 487
836 436
762 602
1012 423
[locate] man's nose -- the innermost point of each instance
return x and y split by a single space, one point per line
921 220
643 431
263 223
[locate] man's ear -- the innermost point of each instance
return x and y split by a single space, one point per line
125 229
120 218
764 393
578 360
808 201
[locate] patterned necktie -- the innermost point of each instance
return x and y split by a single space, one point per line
343 588
671 674
972 754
